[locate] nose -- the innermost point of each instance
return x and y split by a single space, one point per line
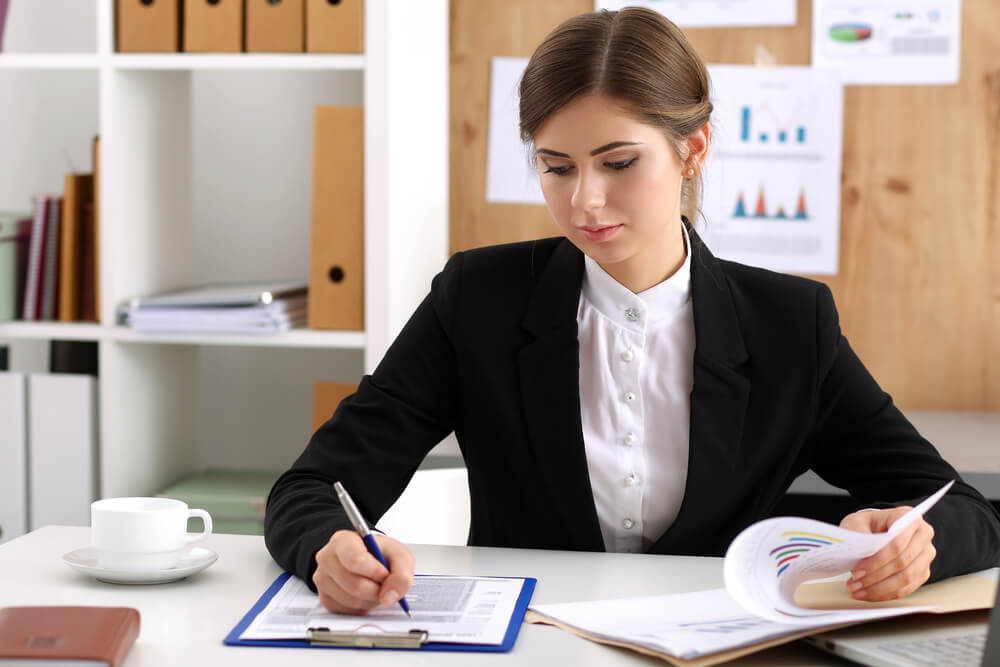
589 194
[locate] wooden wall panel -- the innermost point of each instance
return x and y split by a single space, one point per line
919 282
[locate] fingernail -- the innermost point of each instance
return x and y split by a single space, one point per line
860 594
853 585
860 574
390 598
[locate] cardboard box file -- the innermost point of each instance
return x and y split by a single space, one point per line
326 397
275 26
235 498
213 26
148 26
336 262
335 26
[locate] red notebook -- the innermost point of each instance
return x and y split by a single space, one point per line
90 635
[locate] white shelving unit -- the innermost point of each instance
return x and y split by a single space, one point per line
206 176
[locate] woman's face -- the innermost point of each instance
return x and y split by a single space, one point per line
613 185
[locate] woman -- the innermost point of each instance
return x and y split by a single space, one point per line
619 387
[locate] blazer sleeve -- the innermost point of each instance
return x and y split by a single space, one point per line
864 444
375 439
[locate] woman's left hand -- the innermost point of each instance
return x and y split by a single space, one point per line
898 568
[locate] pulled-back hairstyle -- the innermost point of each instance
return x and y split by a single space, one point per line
635 56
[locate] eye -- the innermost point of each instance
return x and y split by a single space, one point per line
558 171
623 164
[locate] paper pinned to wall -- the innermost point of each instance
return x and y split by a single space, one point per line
772 178
887 42
510 177
714 13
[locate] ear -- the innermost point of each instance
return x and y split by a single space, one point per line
697 145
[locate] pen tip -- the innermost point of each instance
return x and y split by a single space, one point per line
408 613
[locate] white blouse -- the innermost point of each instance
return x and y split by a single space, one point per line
636 375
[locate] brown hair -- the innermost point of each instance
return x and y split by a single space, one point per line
637 57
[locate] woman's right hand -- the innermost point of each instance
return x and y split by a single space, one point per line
350 580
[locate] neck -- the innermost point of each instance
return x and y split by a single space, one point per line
652 265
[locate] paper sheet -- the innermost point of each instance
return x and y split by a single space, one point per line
463 610
889 42
767 562
510 176
772 178
714 13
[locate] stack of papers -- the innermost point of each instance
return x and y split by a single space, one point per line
762 603
221 308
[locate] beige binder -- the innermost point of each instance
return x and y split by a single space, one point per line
962 593
275 27
326 397
148 26
213 26
335 27
336 267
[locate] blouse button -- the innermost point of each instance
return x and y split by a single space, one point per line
632 314
627 524
629 397
630 480
628 355
630 439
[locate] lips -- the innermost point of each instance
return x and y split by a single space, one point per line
598 233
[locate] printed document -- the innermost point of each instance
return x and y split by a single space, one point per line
763 566
462 610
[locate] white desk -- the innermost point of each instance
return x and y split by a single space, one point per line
183 623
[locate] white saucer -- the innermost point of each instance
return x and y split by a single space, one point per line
195 560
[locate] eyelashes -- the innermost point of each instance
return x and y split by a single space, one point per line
617 166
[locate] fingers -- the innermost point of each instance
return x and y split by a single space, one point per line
898 569
347 577
349 580
401 566
873 521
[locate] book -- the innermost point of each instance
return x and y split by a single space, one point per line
50 268
257 307
766 600
4 5
92 309
223 294
36 255
79 192
12 233
78 636
88 265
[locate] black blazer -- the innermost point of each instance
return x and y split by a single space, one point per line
492 353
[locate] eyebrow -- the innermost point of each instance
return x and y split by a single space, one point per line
597 151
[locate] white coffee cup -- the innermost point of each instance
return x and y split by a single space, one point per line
143 534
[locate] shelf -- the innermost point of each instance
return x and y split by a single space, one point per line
298 338
239 61
51 330
50 61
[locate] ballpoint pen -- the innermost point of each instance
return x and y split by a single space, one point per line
361 526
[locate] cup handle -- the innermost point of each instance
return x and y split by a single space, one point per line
206 519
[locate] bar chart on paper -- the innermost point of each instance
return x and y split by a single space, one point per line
772 180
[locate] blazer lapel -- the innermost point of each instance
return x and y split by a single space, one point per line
549 366
718 399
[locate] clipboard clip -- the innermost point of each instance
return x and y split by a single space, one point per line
359 639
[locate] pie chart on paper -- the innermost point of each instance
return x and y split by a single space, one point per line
850 32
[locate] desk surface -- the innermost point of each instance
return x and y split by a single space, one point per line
183 623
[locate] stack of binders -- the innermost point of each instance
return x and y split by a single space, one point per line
257 308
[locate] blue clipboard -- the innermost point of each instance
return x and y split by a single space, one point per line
516 619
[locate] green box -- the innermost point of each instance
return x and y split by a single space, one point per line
234 498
